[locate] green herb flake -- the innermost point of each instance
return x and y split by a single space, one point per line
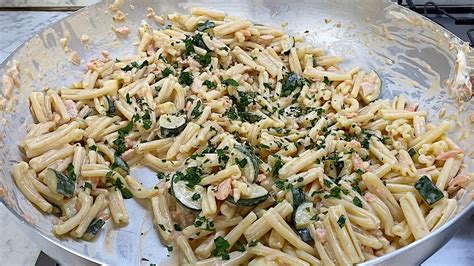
359 171
326 80
196 196
230 82
276 167
209 84
203 222
267 85
196 112
160 175
88 185
357 202
185 78
223 158
253 243
280 184
169 248
166 72
205 25
221 248
239 246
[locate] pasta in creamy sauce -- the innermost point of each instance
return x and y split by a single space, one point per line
267 151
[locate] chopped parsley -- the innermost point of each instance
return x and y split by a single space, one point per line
120 141
88 185
204 60
195 40
267 85
196 112
239 246
326 80
277 166
209 84
203 222
359 171
230 82
135 65
253 243
221 248
160 175
205 25
146 120
335 192
357 202
185 78
196 196
166 72
223 158
117 183
169 248
280 184
70 172
192 177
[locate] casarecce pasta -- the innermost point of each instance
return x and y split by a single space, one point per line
266 149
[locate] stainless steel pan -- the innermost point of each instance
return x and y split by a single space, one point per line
413 56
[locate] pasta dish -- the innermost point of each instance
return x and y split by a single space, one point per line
266 150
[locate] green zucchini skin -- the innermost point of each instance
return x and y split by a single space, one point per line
65 185
247 202
260 194
171 125
305 234
251 169
120 166
93 229
298 197
183 195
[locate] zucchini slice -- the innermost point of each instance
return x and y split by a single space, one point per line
111 106
298 197
93 229
59 182
187 197
371 94
305 235
247 162
120 166
303 214
257 195
428 191
286 44
171 125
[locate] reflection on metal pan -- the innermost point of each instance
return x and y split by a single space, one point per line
413 55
